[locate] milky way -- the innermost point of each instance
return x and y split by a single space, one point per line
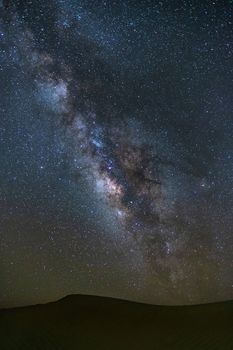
116 134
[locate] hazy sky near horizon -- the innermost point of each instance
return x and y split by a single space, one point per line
116 150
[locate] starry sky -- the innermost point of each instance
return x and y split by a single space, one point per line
116 150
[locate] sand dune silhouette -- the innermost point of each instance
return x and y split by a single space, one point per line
91 322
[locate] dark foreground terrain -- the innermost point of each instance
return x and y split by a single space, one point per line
88 322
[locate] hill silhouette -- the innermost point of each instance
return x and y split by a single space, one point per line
80 322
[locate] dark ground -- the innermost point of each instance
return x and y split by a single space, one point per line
89 322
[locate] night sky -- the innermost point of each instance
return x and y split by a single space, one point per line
116 150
